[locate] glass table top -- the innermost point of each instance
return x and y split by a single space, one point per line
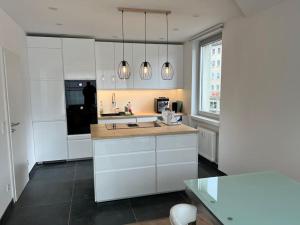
265 198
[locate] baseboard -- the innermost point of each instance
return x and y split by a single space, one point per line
32 171
6 213
201 159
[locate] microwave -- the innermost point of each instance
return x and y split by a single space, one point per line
160 104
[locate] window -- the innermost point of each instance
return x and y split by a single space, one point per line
210 76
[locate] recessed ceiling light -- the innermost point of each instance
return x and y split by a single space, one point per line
175 29
59 24
53 8
196 15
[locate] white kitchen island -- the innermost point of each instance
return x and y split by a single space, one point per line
142 161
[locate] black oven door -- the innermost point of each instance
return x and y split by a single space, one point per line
81 105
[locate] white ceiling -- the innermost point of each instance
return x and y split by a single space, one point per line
101 20
250 7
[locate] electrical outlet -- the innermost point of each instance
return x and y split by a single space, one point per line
8 188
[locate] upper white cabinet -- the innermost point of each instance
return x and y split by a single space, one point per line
152 58
105 65
45 64
79 59
43 42
176 60
122 83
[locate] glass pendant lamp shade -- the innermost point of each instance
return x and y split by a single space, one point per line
167 71
145 68
145 71
124 70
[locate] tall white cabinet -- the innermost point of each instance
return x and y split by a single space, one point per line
79 58
105 65
47 98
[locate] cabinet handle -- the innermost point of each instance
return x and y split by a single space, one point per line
15 124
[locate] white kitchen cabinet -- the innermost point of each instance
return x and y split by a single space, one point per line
177 161
123 83
109 121
80 146
45 64
47 100
43 42
176 60
146 119
105 65
124 167
152 58
79 59
112 185
50 140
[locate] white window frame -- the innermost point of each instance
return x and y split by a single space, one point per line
206 41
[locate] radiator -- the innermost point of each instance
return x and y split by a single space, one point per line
208 144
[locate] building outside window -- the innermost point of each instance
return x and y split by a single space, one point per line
210 76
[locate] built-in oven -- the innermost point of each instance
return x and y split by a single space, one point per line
81 105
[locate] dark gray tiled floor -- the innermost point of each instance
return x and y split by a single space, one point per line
63 194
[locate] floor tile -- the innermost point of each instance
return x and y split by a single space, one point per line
87 212
42 215
46 193
84 170
54 173
84 189
156 206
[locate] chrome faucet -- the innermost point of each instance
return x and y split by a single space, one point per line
113 101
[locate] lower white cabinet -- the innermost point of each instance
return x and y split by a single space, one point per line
50 141
125 183
137 166
80 147
177 160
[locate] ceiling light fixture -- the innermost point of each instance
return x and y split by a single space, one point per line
124 68
59 24
167 71
145 68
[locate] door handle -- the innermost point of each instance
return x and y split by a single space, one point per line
13 130
15 124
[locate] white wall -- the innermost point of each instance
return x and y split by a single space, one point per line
12 37
260 125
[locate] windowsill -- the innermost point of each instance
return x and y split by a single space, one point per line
206 120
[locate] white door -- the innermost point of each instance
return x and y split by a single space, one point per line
152 58
105 65
79 59
176 60
16 89
50 140
120 83
5 174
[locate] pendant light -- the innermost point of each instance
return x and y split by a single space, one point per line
145 68
167 71
124 68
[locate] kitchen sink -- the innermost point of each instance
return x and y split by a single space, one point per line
113 114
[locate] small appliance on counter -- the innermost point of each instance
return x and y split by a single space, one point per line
177 106
161 104
170 118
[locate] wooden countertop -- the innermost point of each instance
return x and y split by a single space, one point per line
100 131
135 115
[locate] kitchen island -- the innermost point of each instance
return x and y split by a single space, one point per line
148 159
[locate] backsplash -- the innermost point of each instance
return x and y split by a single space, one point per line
142 101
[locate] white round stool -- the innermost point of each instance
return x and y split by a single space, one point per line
183 214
